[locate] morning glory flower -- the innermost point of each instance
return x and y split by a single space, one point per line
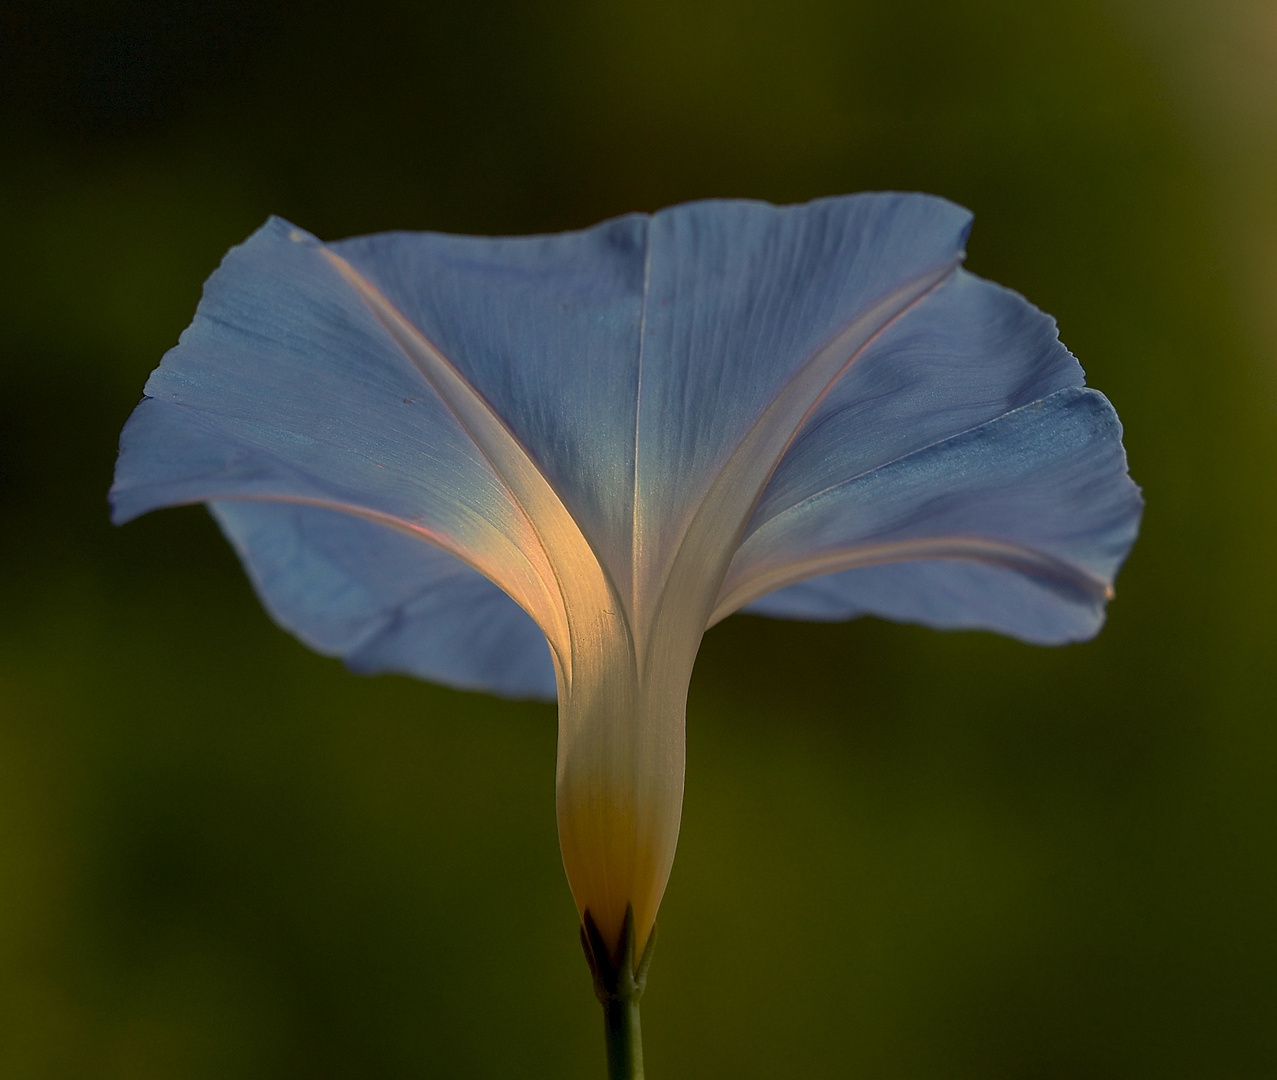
543 466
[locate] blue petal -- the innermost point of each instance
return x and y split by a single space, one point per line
626 366
546 328
1017 525
286 383
286 387
942 595
686 327
385 601
741 298
971 352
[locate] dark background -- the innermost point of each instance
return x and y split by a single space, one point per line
904 853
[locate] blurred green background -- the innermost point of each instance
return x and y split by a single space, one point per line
904 854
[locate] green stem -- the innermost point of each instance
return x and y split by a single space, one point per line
624 1039
619 984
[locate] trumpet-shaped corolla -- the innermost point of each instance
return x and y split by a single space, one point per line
543 466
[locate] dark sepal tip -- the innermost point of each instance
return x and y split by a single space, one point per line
616 977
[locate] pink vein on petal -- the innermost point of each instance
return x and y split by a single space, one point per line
1015 557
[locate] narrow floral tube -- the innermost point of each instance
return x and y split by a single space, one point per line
543 466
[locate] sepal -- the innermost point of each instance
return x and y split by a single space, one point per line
616 976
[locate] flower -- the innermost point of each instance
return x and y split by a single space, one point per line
435 454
